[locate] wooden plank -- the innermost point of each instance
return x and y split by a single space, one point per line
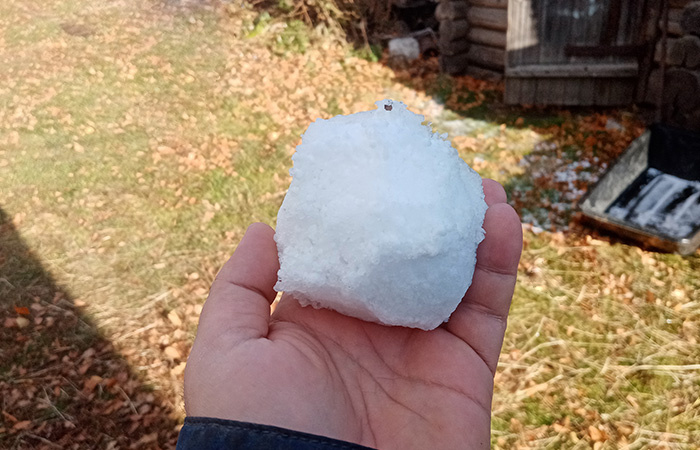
489 57
545 50
527 91
488 37
491 18
568 91
674 22
451 30
511 95
456 47
612 24
587 92
648 34
502 4
674 28
680 95
675 14
483 74
621 92
691 46
628 22
615 70
453 64
556 88
603 91
599 51
690 20
451 10
522 40
679 3
652 89
572 88
513 56
675 52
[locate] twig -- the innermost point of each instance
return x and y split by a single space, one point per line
541 346
131 404
39 372
525 393
363 28
53 407
659 367
137 331
43 440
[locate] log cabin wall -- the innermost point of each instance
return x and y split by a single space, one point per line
675 89
473 37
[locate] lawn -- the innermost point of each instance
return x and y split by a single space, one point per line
138 139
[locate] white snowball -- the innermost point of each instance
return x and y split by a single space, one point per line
381 221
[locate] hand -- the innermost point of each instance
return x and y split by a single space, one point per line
317 371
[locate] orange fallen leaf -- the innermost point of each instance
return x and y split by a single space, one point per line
172 353
23 425
178 370
597 435
174 318
91 383
9 417
22 310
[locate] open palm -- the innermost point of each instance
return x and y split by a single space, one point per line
317 371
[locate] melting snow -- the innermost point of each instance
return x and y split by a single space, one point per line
662 203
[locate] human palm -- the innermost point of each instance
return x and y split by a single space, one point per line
317 371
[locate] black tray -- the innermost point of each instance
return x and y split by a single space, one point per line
655 182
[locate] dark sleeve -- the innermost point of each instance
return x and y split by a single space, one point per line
204 433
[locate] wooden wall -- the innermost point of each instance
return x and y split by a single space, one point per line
527 40
568 52
473 36
674 89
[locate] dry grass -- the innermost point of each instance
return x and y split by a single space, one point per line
600 351
139 139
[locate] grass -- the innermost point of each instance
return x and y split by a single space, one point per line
137 146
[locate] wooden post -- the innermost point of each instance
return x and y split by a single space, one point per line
664 42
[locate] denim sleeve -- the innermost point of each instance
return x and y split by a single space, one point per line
204 433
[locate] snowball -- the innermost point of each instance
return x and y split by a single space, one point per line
381 221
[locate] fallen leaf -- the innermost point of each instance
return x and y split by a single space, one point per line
22 310
178 370
625 429
597 435
174 318
22 322
91 383
172 353
9 416
23 425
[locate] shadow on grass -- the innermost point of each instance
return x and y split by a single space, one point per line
62 385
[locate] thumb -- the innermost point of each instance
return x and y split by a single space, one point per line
238 307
